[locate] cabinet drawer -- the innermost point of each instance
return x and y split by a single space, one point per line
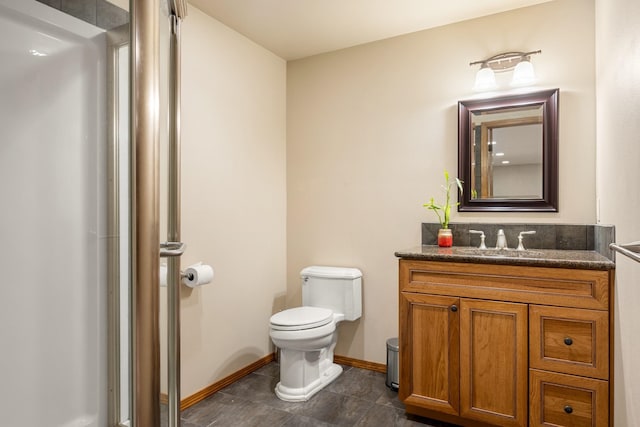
532 285
568 340
567 400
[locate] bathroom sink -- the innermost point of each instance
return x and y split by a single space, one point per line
500 253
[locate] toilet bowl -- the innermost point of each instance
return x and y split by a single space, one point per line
307 335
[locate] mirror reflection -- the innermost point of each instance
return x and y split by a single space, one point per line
506 153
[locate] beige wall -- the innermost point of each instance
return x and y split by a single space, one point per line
369 131
233 198
371 128
618 175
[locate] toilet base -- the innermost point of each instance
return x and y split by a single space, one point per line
302 394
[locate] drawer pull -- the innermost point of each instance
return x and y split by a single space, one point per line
454 308
568 341
568 409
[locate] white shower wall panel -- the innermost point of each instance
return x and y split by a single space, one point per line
53 218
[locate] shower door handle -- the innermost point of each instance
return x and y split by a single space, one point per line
171 249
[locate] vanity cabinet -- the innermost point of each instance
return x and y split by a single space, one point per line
504 345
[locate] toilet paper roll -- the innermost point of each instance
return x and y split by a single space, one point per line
197 275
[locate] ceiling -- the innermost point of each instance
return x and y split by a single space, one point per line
294 29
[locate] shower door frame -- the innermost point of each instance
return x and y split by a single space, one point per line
145 213
144 237
142 299
116 39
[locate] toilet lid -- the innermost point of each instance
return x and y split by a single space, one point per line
301 318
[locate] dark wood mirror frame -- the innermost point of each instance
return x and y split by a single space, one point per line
548 99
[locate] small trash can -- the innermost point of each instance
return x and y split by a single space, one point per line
392 364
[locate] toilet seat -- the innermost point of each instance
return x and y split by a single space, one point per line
299 318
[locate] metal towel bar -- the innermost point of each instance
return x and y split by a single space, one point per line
632 250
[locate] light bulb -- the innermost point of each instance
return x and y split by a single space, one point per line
485 79
523 74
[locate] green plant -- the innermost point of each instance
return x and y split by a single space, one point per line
446 206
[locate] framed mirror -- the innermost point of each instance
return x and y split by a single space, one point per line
508 153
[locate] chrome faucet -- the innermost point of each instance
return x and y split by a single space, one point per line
481 233
520 236
501 242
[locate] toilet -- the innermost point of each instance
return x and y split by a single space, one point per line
307 335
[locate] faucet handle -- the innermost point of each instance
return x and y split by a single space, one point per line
481 233
520 237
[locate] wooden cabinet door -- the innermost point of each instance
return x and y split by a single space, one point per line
429 352
494 362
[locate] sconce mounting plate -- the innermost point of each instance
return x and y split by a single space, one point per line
505 61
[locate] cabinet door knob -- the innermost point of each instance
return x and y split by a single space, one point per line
454 308
568 409
568 341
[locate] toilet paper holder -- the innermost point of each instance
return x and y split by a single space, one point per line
194 275
183 274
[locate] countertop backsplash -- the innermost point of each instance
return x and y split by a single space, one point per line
586 237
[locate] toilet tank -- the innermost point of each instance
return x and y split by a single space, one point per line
335 288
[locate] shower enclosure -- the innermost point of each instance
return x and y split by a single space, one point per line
81 216
53 218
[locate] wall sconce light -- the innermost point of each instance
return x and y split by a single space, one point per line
519 62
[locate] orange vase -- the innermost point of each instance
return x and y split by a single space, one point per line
445 238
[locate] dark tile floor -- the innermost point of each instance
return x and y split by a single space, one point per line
358 397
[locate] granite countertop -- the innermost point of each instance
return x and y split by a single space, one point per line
579 259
